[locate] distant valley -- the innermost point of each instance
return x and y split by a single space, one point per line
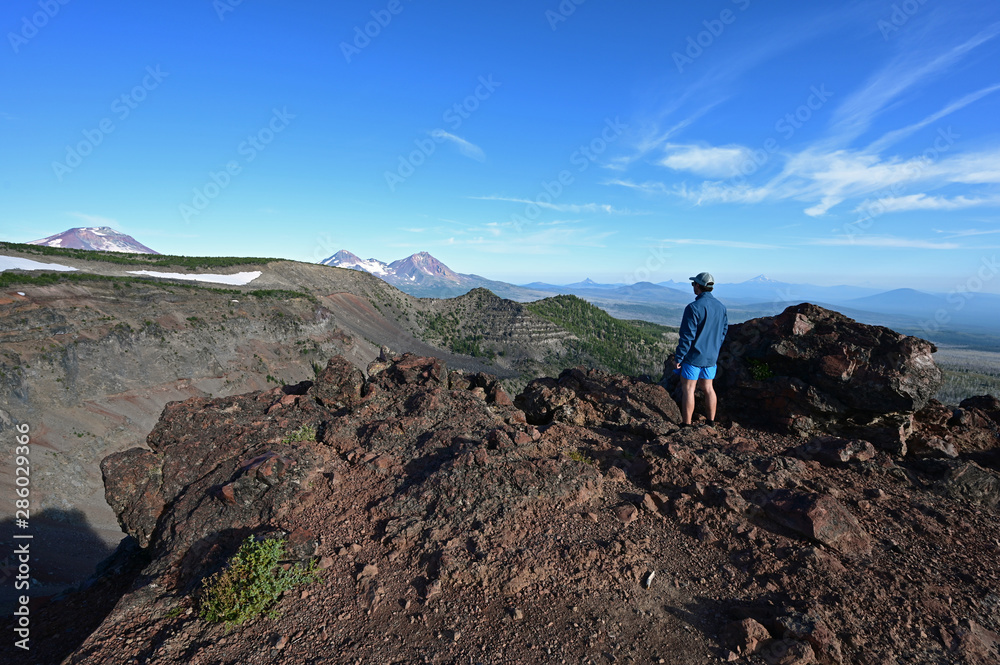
968 319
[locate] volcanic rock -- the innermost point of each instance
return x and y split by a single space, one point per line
971 482
811 370
583 398
832 450
435 511
339 384
820 517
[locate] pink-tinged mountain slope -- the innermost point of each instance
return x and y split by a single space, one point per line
100 238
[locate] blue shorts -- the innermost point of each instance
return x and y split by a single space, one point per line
690 372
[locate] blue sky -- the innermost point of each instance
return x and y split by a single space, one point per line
823 142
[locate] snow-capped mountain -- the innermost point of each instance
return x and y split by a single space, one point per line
99 238
419 268
424 276
344 259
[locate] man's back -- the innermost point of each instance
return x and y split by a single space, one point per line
703 328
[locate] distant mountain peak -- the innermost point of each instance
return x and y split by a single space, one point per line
416 268
95 238
761 279
420 265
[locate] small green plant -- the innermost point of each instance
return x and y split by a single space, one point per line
174 613
304 433
251 582
759 369
578 456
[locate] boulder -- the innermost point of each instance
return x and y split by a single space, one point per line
835 451
745 635
340 384
133 487
967 481
812 370
594 398
987 404
819 517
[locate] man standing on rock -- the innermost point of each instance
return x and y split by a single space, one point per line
703 327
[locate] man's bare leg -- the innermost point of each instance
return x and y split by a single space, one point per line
710 399
687 399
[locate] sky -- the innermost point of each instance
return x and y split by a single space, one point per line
822 142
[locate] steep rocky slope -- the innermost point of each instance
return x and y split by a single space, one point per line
89 366
575 523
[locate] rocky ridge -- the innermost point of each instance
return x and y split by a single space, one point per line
576 522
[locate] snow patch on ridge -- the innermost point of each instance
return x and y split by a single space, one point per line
238 279
14 263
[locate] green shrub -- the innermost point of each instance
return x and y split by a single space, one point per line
759 369
251 582
304 433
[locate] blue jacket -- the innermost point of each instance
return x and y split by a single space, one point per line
703 328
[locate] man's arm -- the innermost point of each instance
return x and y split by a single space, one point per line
688 331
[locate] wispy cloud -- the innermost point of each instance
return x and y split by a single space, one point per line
967 233
855 115
722 192
711 162
829 172
648 187
899 134
884 242
468 149
827 179
559 207
716 242
550 240
925 202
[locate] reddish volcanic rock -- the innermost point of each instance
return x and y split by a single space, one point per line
819 517
812 370
448 527
588 399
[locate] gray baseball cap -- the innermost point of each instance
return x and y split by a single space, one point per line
703 279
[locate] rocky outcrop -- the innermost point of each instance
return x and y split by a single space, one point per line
810 370
587 399
446 523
